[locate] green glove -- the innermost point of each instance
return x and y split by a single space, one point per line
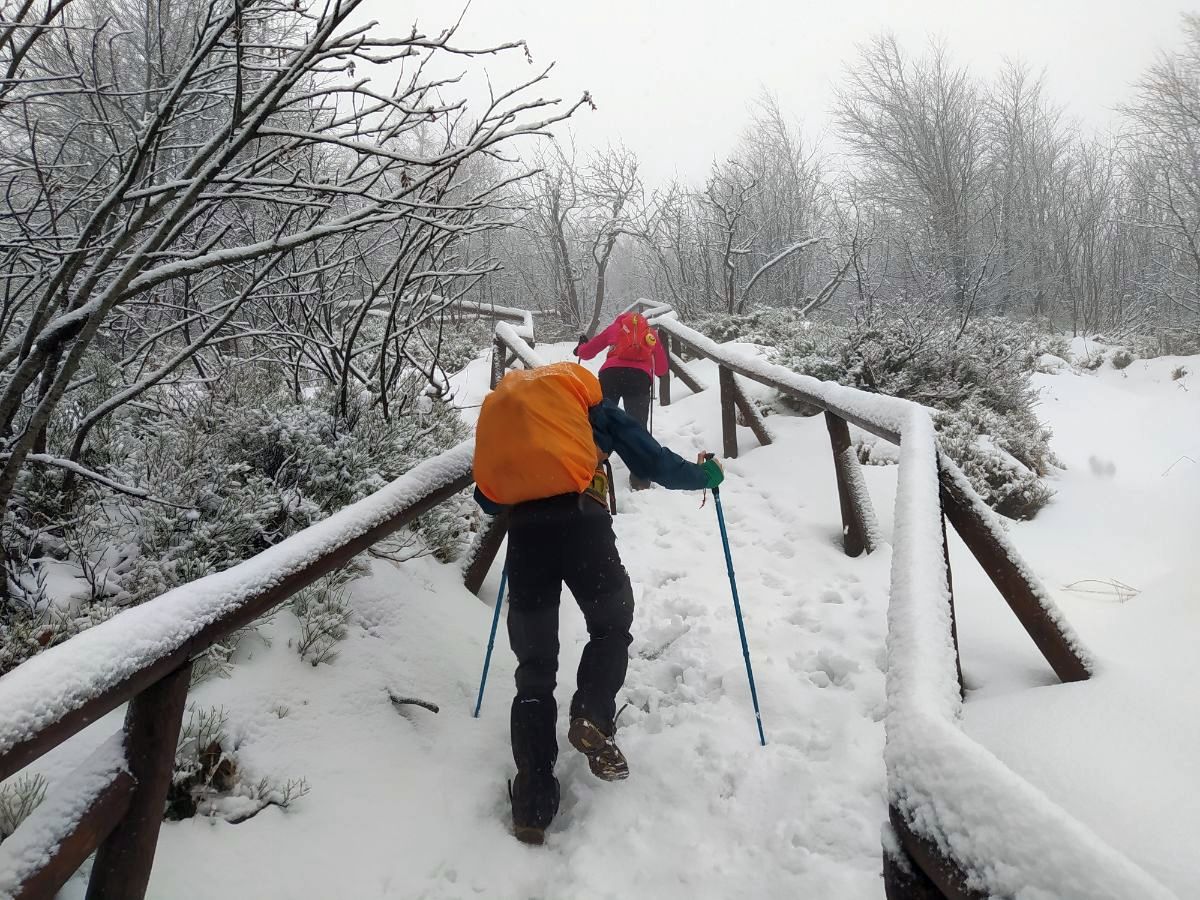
713 471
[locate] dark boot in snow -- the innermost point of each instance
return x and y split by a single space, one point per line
604 756
534 797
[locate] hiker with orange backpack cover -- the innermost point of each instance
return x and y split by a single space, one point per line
540 440
635 357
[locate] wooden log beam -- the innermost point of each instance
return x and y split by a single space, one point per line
679 367
50 736
750 415
103 813
947 879
904 880
1012 580
152 723
962 690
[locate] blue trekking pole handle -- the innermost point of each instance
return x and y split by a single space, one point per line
487 659
737 609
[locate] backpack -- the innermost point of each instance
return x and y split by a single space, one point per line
635 338
534 438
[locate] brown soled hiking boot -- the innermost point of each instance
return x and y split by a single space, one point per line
534 798
604 756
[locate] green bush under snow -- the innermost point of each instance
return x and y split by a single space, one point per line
975 380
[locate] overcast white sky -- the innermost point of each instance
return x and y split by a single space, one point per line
672 79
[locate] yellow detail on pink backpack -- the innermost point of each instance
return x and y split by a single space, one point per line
534 438
635 338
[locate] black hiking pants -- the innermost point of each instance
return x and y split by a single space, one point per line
566 539
622 384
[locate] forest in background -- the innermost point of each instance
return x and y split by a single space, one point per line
231 263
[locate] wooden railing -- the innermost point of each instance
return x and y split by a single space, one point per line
962 825
113 803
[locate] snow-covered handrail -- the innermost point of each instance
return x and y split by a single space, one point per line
974 826
523 317
950 797
516 343
513 340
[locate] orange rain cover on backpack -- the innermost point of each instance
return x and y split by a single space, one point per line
533 438
635 338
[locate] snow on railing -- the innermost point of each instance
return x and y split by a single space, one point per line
1009 838
143 655
100 785
522 316
974 827
955 807
512 339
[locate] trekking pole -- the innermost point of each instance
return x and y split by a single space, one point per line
651 429
737 609
487 659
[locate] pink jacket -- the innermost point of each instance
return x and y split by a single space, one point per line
608 337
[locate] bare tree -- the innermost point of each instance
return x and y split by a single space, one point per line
191 181
917 128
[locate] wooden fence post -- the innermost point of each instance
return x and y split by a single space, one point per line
486 548
152 723
856 534
498 353
664 387
728 414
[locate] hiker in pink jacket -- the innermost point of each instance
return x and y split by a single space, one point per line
635 356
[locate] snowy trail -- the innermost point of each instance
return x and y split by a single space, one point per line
406 803
413 805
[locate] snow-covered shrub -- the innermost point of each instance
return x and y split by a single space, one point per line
240 477
18 798
457 343
1167 342
975 378
207 780
1121 359
323 611
230 468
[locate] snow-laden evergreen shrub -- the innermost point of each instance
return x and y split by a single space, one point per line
1121 359
323 611
242 477
975 379
234 467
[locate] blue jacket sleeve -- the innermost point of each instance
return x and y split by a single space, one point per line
617 432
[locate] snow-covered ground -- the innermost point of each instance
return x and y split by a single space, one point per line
407 803
1119 751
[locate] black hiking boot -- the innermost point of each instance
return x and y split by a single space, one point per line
640 484
534 798
605 758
